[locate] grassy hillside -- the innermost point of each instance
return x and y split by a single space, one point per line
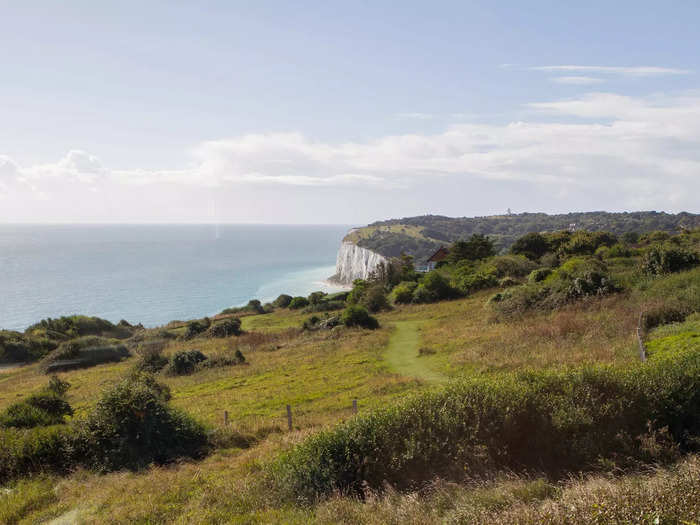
566 371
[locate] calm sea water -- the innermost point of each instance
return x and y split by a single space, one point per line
154 274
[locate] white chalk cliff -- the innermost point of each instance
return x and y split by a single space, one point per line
354 262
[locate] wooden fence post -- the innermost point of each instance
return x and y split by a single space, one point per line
289 417
354 406
640 338
225 418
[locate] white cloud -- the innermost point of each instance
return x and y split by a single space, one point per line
578 81
618 70
644 151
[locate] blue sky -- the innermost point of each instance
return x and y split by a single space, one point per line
345 112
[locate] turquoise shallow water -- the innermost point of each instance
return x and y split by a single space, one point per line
156 273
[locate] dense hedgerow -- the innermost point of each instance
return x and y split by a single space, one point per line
20 348
547 421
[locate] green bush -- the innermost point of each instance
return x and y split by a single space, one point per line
132 426
226 328
151 358
355 315
282 301
298 303
194 328
659 260
77 326
553 422
539 275
325 306
21 348
84 352
531 245
185 362
40 449
44 408
403 292
435 286
375 299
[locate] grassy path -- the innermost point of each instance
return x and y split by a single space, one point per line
402 353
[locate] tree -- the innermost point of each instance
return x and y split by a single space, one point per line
477 247
531 245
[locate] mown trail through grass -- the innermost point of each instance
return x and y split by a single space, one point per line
402 353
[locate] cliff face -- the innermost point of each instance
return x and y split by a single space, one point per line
354 262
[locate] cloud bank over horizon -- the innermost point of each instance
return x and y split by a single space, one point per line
623 152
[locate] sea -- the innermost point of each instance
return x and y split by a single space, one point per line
153 274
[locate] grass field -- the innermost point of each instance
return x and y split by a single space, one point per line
319 374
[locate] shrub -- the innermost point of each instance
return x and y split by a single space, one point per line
325 306
282 301
472 282
507 282
132 426
551 422
437 285
422 295
151 358
374 298
77 326
531 245
185 362
316 297
84 352
44 408
194 328
355 315
25 451
403 292
539 275
298 302
20 348
226 328
508 265
659 260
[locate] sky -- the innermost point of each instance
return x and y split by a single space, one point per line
345 112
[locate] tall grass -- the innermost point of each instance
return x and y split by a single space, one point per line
553 422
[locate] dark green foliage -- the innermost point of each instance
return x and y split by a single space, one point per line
662 259
403 292
282 301
375 298
539 275
77 326
226 328
21 348
151 358
577 278
84 352
630 237
472 282
194 328
358 289
355 315
531 245
40 449
586 243
316 297
298 302
553 422
504 230
133 426
475 248
44 408
325 306
185 362
433 287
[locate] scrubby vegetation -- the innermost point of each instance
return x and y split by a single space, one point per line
497 388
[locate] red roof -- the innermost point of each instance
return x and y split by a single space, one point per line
439 255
